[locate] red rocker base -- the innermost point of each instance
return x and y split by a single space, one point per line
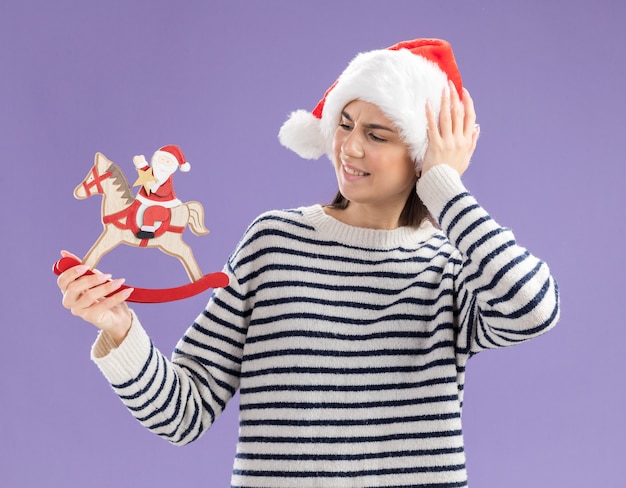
147 295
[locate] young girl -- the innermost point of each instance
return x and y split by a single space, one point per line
346 328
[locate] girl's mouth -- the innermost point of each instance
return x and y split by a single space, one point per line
353 171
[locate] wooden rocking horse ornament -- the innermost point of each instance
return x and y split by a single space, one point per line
123 216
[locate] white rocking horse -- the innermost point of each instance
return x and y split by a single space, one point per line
118 217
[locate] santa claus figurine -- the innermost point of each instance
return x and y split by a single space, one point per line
156 195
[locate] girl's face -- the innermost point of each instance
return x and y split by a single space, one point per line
371 161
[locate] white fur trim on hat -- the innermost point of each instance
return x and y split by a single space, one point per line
397 82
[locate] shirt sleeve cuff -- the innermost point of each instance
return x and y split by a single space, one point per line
438 186
124 362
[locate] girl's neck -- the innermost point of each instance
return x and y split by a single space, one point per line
365 216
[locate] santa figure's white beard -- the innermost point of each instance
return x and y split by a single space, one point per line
161 173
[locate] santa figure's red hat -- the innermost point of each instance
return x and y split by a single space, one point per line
175 152
398 80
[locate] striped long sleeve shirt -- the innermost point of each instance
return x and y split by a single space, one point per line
348 345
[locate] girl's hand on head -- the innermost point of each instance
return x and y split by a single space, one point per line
86 296
451 141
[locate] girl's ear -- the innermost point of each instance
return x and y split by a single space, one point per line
418 168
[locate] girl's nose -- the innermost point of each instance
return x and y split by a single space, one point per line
352 146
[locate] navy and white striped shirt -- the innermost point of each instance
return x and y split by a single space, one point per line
348 345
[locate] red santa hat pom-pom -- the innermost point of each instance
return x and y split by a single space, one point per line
301 133
185 167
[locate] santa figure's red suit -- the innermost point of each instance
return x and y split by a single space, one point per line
158 197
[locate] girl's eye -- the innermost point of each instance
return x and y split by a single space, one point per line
376 138
345 126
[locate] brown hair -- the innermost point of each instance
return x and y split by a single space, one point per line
413 213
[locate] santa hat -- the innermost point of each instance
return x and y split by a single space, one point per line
398 80
175 153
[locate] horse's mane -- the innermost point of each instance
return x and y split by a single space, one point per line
120 181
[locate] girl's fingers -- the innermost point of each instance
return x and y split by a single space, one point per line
99 292
431 124
475 135
97 313
445 121
453 139
66 278
88 289
67 254
75 272
470 114
457 110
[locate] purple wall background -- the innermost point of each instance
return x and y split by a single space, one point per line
219 78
